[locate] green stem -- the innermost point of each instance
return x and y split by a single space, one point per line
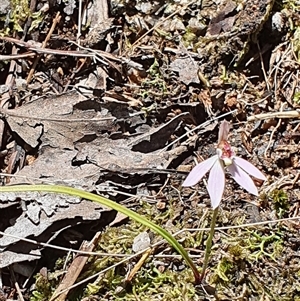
106 202
209 243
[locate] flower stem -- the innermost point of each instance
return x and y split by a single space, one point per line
209 243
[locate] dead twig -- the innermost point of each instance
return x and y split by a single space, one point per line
5 97
10 81
138 266
10 57
99 55
21 298
79 21
263 67
55 21
271 138
74 270
272 134
38 49
82 63
284 114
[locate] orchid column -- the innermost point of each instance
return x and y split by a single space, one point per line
239 169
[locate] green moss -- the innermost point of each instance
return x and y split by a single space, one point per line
189 38
296 42
237 252
44 287
280 201
296 98
154 69
154 84
293 5
163 33
20 13
223 270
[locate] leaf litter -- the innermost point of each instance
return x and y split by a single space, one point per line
116 111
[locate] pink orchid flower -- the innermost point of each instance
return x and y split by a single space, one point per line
239 169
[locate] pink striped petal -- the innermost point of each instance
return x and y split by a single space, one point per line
216 183
249 168
242 178
223 131
199 171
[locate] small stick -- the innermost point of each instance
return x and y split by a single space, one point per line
263 66
10 57
10 81
138 266
55 21
16 284
285 114
271 138
87 53
74 270
82 63
79 21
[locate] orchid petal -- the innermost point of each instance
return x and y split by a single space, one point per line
216 183
249 168
223 131
242 178
199 171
